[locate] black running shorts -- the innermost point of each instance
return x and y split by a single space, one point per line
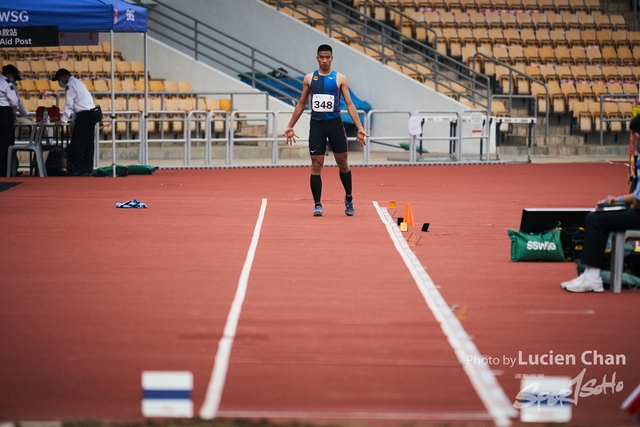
321 131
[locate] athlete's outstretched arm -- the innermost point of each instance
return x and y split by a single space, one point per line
297 111
351 109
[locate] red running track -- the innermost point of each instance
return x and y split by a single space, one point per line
332 326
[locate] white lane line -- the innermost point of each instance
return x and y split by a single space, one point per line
221 363
483 380
356 415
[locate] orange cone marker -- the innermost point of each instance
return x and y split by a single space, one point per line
408 216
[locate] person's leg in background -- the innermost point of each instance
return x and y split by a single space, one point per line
90 152
7 137
598 225
81 138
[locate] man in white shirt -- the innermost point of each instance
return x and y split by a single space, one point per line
9 103
79 102
11 73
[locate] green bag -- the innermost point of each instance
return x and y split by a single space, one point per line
108 171
536 247
141 169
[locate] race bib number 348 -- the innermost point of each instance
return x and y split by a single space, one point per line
322 103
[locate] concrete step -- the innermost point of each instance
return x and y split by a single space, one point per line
543 141
619 7
555 120
523 130
519 112
176 152
566 150
258 131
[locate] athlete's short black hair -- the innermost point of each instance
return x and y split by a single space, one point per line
634 126
325 48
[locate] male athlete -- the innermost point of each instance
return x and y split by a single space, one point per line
325 88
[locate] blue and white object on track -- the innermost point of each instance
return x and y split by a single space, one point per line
545 400
167 394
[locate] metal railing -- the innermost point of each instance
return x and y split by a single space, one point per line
612 97
111 119
510 95
216 136
198 129
199 99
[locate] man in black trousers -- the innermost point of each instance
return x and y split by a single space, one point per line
79 102
9 104
599 224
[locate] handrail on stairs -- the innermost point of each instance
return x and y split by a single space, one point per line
515 70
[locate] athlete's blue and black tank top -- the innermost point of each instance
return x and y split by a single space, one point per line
325 85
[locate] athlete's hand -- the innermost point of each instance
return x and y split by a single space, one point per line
360 137
291 135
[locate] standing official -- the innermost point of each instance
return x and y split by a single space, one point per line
79 102
11 73
9 103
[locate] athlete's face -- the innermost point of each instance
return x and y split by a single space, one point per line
324 61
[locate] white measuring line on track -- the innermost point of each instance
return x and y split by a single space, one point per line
212 399
483 380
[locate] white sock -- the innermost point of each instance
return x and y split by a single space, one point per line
592 273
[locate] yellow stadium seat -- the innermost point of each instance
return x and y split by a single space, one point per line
156 86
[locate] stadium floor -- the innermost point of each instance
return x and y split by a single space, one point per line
334 325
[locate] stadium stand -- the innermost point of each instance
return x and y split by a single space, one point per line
579 51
